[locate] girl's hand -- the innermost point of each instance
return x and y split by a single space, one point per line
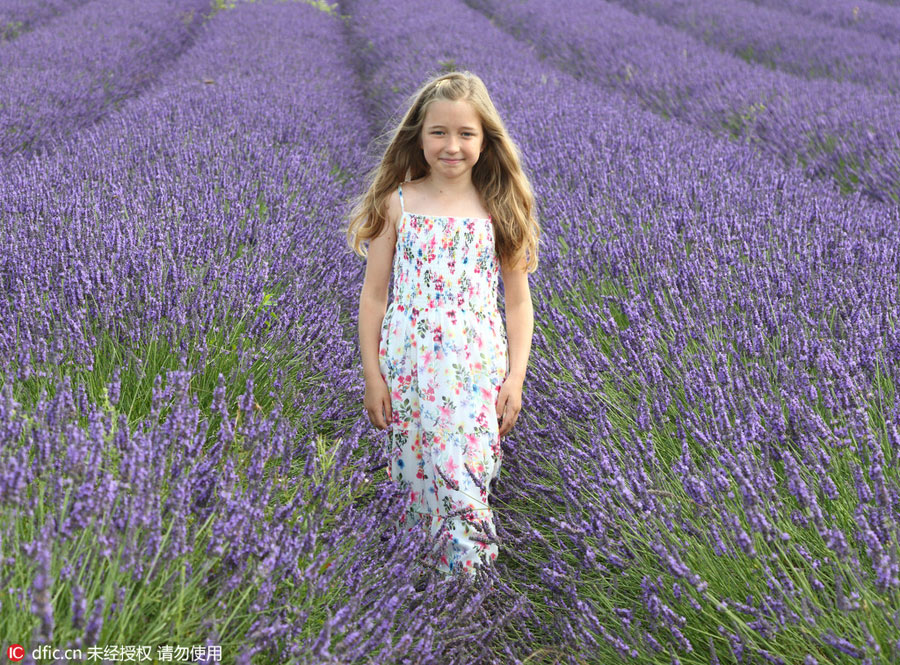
378 402
509 403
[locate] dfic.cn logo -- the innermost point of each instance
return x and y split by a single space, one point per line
15 652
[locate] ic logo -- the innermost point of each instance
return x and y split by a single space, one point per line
15 652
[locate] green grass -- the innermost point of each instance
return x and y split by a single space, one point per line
10 30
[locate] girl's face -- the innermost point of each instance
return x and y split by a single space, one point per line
451 138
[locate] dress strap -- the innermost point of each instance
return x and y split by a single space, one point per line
400 191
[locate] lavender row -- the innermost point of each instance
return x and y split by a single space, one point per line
188 205
18 16
175 522
201 209
705 361
861 15
836 130
72 71
780 40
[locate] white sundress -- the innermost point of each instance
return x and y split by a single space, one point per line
443 354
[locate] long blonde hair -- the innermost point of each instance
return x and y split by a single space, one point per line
498 176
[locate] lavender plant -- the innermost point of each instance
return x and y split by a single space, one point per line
72 71
861 15
774 38
19 16
839 131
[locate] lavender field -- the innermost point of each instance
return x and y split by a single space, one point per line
705 468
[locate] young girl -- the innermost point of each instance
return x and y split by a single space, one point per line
448 207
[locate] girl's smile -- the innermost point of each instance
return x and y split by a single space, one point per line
452 137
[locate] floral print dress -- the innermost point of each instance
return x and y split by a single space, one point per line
443 355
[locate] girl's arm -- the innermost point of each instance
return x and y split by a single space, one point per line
519 328
374 296
519 319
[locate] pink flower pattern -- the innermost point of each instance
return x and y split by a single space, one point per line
443 354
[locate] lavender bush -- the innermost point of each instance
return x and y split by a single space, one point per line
776 39
861 15
69 73
835 130
18 16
